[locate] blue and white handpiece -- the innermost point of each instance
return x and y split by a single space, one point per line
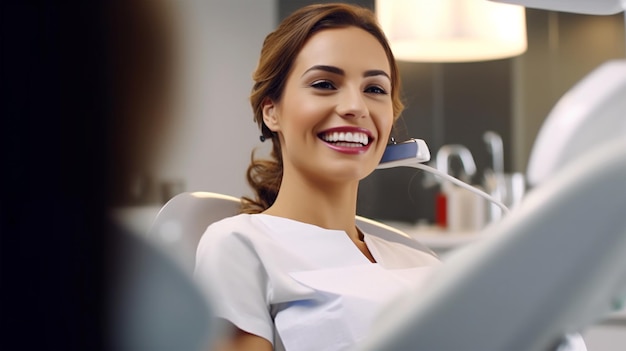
404 153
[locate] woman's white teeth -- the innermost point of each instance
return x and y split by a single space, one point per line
346 138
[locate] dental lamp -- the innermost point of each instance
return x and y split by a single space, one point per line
452 30
554 265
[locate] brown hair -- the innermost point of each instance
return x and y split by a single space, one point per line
279 51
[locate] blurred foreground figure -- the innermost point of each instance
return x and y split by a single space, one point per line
154 305
151 303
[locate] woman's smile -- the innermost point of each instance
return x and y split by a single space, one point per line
347 139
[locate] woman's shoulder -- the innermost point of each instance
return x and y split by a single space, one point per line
247 228
238 225
236 221
234 235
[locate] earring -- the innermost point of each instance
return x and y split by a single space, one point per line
262 138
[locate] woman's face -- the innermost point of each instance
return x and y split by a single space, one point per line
336 113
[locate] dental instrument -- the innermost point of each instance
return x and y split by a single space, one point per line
397 153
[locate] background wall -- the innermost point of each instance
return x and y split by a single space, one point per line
209 147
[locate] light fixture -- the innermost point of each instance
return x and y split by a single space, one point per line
452 30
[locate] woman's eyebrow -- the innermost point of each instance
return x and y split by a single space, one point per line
330 69
376 72
339 71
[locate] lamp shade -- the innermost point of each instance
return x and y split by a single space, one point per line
452 30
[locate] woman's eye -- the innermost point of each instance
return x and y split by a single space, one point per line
323 84
375 90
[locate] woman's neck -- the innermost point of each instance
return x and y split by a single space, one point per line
331 206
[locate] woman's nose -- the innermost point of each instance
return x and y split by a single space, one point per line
351 104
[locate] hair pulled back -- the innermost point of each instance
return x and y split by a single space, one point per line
279 51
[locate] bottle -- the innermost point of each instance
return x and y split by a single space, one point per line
441 205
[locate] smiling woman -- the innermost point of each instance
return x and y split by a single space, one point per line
278 56
293 271
331 88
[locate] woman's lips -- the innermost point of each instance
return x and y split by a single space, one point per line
350 140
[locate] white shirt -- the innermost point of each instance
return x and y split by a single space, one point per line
301 286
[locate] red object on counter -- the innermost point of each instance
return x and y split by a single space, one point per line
441 213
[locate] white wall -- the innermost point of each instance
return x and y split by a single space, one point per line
209 146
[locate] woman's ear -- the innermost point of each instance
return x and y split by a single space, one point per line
270 117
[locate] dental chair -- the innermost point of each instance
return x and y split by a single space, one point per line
181 222
553 266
